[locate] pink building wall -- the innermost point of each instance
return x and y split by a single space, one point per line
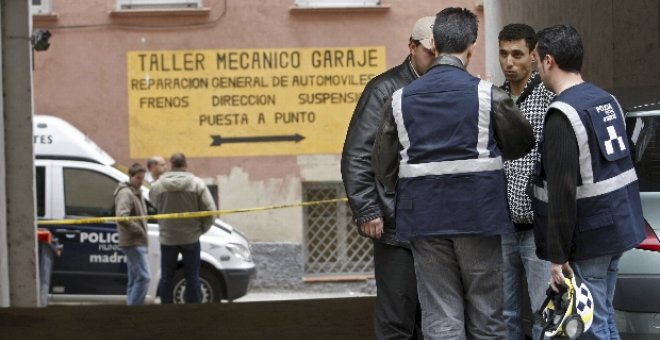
83 76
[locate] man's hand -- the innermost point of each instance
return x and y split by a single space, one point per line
373 228
557 274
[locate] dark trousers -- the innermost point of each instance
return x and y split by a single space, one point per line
190 254
397 313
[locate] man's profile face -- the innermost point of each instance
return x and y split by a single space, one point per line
516 60
422 57
137 180
159 168
543 72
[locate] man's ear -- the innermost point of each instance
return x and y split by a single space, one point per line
549 62
470 50
435 52
411 47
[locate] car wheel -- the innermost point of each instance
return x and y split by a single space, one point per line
210 286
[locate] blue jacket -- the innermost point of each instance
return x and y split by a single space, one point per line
450 176
609 211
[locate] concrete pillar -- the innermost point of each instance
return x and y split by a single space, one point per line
4 264
18 248
493 25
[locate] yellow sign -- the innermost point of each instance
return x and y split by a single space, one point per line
214 103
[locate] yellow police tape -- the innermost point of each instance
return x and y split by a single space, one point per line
95 220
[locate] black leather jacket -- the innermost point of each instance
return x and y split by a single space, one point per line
367 197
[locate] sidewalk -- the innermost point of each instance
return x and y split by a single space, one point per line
312 290
281 295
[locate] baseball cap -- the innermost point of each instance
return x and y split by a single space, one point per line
423 32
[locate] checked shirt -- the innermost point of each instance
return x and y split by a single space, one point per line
533 103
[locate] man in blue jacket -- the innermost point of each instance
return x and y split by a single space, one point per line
443 141
586 197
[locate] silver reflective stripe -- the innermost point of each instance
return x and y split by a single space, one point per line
485 93
482 163
400 127
621 112
608 185
450 167
594 189
586 171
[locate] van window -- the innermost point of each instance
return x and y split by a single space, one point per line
644 134
88 193
40 179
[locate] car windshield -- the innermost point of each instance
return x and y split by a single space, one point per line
642 128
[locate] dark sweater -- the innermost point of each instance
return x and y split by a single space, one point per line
560 160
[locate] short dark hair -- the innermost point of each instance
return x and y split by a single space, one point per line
564 44
178 161
151 162
513 32
135 169
454 30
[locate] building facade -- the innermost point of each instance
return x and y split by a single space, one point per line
258 95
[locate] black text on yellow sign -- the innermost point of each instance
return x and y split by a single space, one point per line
253 102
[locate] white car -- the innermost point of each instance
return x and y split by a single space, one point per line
637 294
77 179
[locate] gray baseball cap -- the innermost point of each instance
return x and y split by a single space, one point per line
423 31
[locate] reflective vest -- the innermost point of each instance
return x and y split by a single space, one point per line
451 179
609 211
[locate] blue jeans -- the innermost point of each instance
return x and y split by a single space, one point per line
169 256
137 266
459 283
519 255
599 274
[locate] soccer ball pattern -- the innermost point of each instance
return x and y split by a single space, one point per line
584 304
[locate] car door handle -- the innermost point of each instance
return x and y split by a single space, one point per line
69 233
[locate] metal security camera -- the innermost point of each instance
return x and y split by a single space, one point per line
40 40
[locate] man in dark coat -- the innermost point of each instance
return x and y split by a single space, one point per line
397 313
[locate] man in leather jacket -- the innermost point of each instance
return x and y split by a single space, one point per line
397 313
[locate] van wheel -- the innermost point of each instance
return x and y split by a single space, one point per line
211 287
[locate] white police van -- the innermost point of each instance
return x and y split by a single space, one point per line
75 179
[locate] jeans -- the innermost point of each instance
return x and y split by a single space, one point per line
459 282
519 255
599 274
397 314
169 255
137 266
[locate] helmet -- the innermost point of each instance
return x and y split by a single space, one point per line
569 312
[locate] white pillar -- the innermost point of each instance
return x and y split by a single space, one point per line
493 25
18 248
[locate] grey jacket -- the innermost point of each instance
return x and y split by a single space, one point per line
129 202
176 192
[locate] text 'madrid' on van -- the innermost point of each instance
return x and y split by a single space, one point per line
75 178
